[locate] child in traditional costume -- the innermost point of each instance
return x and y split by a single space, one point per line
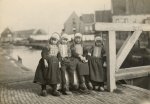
53 72
66 70
80 63
96 61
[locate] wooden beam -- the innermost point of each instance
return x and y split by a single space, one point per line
134 72
126 47
121 27
111 60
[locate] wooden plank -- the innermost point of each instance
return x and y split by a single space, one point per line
99 26
111 60
126 47
134 72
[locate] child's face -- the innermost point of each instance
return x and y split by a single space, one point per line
53 41
98 43
78 40
64 40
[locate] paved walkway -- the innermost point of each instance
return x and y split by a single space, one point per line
16 87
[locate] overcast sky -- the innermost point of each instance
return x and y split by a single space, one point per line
45 14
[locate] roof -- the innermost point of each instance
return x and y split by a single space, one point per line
103 16
39 32
40 37
87 18
71 17
120 7
25 32
6 32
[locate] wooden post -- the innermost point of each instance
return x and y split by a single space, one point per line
111 60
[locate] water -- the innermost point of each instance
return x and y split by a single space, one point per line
30 57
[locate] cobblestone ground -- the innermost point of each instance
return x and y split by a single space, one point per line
27 92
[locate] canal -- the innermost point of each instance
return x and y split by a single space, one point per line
30 57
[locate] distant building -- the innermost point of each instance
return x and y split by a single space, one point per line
130 7
88 23
83 24
25 34
131 11
73 24
6 35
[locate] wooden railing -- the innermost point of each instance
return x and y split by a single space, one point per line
114 61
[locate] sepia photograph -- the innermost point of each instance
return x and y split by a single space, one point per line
74 51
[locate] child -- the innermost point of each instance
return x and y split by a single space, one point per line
81 63
96 64
65 61
53 72
40 74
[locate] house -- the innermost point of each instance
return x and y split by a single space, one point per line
131 11
6 35
83 24
88 23
73 24
130 7
25 34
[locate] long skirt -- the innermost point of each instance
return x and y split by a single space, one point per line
81 68
53 72
40 73
97 73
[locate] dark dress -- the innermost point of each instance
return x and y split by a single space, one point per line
40 73
97 73
53 75
81 67
53 72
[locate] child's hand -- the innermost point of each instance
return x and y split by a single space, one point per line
59 64
89 53
104 64
84 60
81 57
45 63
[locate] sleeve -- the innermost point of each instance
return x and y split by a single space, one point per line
44 52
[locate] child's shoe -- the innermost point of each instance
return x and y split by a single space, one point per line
82 86
56 93
73 87
43 93
101 88
89 86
